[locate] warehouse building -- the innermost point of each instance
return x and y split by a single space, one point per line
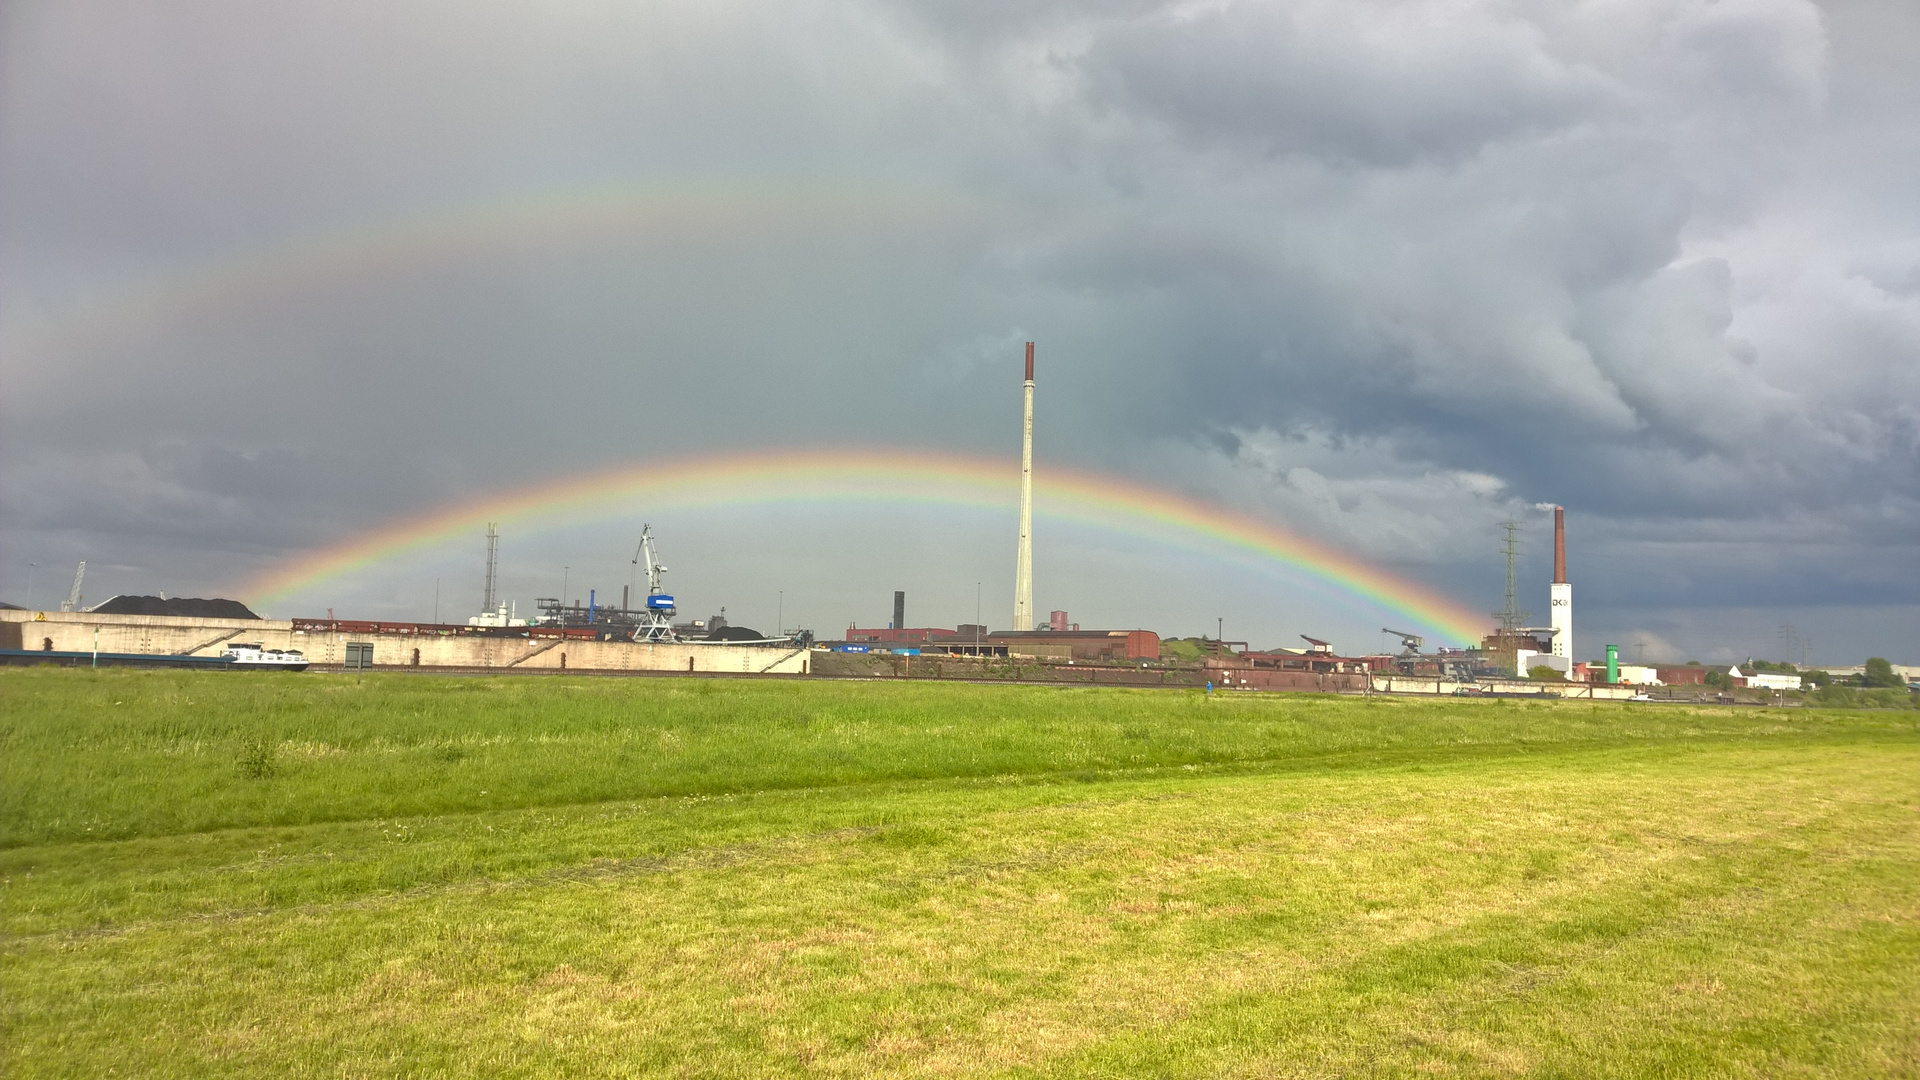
1079 644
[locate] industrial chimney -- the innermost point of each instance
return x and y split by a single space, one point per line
1561 591
1023 566
899 609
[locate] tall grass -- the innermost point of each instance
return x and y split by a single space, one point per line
117 753
212 874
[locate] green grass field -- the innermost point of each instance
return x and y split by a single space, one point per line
219 874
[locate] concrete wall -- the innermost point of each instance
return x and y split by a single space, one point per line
74 632
1269 679
1406 684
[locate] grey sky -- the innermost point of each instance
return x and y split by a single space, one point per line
271 275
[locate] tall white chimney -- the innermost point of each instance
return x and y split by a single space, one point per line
1023 567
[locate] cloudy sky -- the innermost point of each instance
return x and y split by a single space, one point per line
1385 273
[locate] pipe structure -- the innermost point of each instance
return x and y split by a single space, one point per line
1561 591
1023 565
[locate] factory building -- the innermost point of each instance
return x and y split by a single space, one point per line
1629 674
1520 649
1764 680
1058 638
898 634
1079 644
1295 669
1034 644
1507 651
911 635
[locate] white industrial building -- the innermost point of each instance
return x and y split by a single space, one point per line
1766 680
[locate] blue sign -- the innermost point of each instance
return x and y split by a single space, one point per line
853 648
660 602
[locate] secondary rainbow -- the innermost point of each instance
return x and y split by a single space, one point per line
889 476
621 215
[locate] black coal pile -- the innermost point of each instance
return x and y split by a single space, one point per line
734 633
186 607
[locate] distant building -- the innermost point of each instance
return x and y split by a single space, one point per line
1909 672
1315 660
1079 644
1764 680
1502 649
1681 675
915 635
1630 674
1063 644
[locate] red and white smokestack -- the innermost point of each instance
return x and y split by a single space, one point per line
1029 361
1560 592
1560 544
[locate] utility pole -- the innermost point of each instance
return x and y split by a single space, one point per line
976 620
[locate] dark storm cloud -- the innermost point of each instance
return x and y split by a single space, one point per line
1389 272
1376 84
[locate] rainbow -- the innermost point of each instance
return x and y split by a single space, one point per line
613 216
892 476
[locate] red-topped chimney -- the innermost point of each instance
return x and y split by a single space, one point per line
1029 361
1559 544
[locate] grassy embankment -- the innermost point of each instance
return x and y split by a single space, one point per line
219 874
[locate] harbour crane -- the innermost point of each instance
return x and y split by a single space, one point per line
73 596
1410 644
656 623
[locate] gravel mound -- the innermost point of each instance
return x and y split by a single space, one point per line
188 607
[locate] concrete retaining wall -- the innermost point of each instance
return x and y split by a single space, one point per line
1270 679
74 632
1412 684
